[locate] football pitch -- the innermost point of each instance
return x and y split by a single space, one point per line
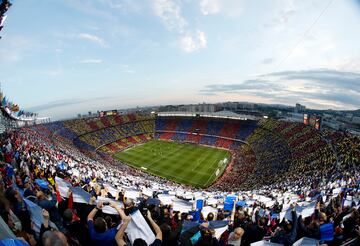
189 164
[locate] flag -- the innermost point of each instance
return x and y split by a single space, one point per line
113 191
80 195
166 199
42 183
5 231
229 203
241 203
138 228
133 194
219 226
63 186
36 215
107 209
181 205
307 211
4 102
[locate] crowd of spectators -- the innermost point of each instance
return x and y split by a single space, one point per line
221 133
346 146
86 125
241 166
278 202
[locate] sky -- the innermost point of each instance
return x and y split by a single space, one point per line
63 57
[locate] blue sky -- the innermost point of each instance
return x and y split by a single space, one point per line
62 57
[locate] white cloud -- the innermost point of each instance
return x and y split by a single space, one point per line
52 72
208 7
228 8
170 13
190 44
202 39
126 69
90 7
92 38
91 61
114 4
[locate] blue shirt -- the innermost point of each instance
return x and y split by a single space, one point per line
105 238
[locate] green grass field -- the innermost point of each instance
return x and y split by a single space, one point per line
184 163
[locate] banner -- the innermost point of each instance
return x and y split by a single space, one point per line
138 228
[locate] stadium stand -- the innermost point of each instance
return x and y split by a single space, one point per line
213 132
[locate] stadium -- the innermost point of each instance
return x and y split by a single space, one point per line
194 177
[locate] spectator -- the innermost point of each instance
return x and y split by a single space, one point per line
99 233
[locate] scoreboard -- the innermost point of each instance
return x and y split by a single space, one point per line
108 112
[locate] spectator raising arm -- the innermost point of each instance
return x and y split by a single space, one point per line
154 226
94 211
119 210
120 234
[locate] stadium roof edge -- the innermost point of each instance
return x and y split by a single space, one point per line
220 114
